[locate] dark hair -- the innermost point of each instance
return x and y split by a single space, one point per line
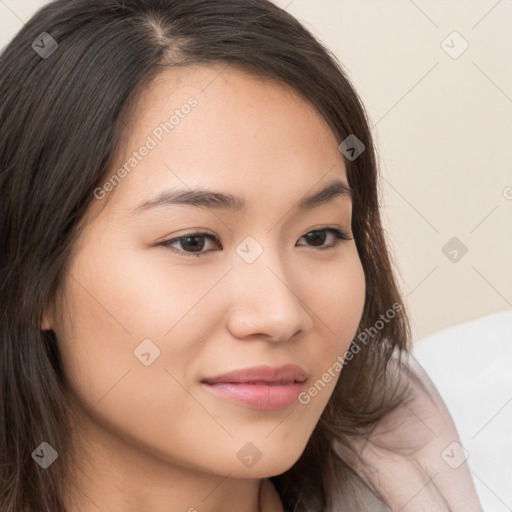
61 126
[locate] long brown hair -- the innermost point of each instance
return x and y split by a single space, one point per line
61 111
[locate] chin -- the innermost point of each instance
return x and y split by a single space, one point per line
275 463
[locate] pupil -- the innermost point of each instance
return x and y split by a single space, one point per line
197 247
315 235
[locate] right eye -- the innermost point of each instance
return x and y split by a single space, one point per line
191 243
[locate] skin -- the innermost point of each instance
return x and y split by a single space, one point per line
150 437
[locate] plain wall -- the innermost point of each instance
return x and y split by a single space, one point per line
443 128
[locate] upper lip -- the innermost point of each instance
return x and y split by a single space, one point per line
286 374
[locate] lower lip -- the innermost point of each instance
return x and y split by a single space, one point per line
258 396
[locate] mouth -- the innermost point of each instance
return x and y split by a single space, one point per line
278 375
259 382
257 395
261 387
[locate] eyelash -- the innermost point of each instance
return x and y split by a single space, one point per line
339 235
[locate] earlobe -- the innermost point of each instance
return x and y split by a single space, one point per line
46 325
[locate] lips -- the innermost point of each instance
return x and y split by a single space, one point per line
287 374
260 387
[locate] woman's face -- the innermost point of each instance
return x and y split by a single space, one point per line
146 314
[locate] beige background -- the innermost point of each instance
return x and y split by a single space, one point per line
443 126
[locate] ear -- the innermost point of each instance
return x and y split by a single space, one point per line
47 323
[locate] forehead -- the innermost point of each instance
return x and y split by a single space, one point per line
224 128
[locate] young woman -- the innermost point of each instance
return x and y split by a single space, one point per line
198 310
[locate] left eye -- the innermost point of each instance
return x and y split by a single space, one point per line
192 244
337 233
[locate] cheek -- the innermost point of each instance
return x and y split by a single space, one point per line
337 305
338 301
126 295
119 314
146 406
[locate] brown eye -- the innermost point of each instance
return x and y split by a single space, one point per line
317 237
192 244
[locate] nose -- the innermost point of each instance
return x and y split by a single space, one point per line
266 303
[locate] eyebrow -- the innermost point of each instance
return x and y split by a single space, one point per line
209 199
